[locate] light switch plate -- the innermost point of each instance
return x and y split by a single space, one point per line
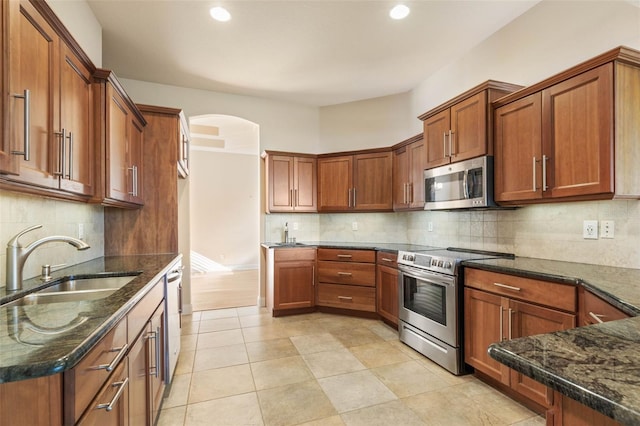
607 228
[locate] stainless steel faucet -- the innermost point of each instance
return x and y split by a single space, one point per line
17 255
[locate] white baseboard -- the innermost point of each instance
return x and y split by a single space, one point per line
262 302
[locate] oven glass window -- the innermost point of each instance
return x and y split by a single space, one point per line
426 298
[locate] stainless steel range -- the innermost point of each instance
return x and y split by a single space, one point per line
431 311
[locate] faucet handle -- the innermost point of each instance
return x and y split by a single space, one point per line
13 242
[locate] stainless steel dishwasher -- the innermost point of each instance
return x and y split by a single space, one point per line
173 317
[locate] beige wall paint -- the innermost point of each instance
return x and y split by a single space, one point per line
83 26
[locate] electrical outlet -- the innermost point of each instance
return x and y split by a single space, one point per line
81 231
430 226
354 226
607 228
590 229
295 226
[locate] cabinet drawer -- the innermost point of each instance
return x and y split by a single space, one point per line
367 256
596 310
347 273
286 254
347 297
116 392
85 379
559 296
140 314
387 259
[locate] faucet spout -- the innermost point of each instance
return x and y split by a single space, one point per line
17 255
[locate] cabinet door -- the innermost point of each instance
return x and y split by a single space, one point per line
387 293
135 149
305 185
10 20
594 310
117 128
37 47
484 316
372 181
436 139
335 177
138 381
294 285
76 112
401 178
469 128
111 406
518 150
417 164
156 361
528 320
577 134
280 183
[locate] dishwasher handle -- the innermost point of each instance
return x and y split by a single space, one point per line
174 275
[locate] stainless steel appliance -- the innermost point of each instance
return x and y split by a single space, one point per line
430 303
462 185
173 317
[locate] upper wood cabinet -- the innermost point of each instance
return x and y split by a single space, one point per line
47 110
291 182
572 136
462 127
120 144
409 162
184 145
359 182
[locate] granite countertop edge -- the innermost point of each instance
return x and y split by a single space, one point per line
108 312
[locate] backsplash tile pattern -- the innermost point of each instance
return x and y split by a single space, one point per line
18 212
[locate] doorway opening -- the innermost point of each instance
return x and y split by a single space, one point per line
224 211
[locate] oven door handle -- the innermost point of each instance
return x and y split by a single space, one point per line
432 277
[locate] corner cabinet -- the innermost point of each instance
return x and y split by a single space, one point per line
462 127
120 149
409 162
501 307
572 136
291 182
358 182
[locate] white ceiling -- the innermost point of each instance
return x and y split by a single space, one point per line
314 52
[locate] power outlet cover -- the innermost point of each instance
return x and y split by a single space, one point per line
590 229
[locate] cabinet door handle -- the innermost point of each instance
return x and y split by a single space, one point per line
313 276
109 406
154 336
70 175
544 172
134 180
27 125
451 153
354 197
349 198
444 145
109 367
295 197
534 173
501 324
345 298
508 287
345 274
596 317
61 153
345 256
410 192
511 312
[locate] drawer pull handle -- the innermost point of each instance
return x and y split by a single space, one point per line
596 317
346 256
508 287
386 259
116 397
109 367
345 298
346 274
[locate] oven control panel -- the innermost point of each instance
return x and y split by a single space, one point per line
427 262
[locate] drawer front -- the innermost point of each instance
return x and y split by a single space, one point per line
365 256
140 314
115 392
86 378
559 296
286 254
387 259
596 310
347 273
347 297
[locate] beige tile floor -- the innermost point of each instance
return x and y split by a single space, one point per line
240 366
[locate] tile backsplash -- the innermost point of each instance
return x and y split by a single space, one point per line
18 212
549 231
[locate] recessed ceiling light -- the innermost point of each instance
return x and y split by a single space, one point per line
399 11
220 14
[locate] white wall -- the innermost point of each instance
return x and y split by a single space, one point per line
83 26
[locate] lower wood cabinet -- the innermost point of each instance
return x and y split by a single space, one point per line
387 286
111 406
500 307
293 286
594 310
569 412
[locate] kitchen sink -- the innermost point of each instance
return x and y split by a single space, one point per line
290 244
75 290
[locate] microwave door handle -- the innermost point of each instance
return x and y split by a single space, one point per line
465 184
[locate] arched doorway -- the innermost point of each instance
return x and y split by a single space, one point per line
224 211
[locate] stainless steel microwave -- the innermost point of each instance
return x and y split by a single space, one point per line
463 185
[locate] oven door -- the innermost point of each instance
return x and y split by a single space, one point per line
428 302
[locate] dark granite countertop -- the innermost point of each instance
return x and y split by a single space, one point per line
45 339
597 365
387 247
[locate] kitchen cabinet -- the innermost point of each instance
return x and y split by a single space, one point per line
347 279
126 230
462 127
569 412
48 118
120 158
293 281
594 310
358 182
409 162
570 137
111 406
184 146
387 286
500 307
292 182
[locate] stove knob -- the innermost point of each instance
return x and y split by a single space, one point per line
447 265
